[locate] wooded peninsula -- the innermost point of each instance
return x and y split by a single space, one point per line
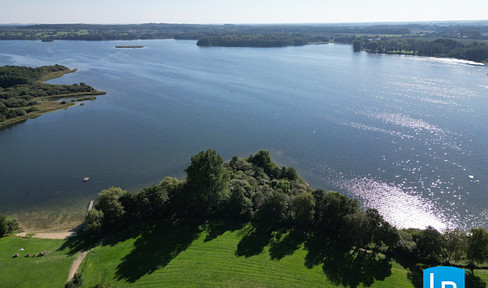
24 95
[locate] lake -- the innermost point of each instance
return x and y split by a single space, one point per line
406 135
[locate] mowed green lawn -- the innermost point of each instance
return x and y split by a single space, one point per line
482 274
177 256
50 270
184 256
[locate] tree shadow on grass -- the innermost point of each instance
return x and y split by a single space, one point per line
155 248
415 275
253 242
215 228
79 244
283 244
344 266
473 281
351 269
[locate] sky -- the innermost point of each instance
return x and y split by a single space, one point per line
238 11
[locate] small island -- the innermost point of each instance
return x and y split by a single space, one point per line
24 95
129 47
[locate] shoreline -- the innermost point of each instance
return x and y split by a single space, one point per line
49 104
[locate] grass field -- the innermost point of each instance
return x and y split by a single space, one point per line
47 271
184 256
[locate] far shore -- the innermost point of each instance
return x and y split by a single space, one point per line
130 46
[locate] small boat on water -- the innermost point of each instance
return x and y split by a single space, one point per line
86 179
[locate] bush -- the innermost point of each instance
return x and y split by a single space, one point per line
8 225
75 282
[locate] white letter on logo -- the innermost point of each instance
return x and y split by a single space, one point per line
444 283
432 280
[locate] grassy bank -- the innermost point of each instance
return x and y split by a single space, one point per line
44 106
50 270
49 104
185 256
54 75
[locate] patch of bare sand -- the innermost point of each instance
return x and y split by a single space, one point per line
48 235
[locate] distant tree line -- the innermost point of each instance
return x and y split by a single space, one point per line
267 40
457 39
473 51
476 31
256 190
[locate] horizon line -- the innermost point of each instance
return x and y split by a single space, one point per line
276 23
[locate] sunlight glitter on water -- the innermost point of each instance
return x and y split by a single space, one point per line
402 209
405 121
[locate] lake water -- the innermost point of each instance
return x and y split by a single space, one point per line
406 135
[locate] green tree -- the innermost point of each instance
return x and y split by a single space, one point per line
273 211
238 206
207 182
430 245
477 246
303 209
109 203
330 210
153 201
262 159
456 244
382 233
356 230
357 46
93 221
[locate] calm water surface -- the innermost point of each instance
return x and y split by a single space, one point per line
405 135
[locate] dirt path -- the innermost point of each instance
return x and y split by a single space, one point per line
49 235
76 264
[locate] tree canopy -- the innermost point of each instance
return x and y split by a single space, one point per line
207 182
253 190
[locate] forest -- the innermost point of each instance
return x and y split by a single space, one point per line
23 93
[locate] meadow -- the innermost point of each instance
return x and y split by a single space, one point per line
50 270
187 256
191 255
